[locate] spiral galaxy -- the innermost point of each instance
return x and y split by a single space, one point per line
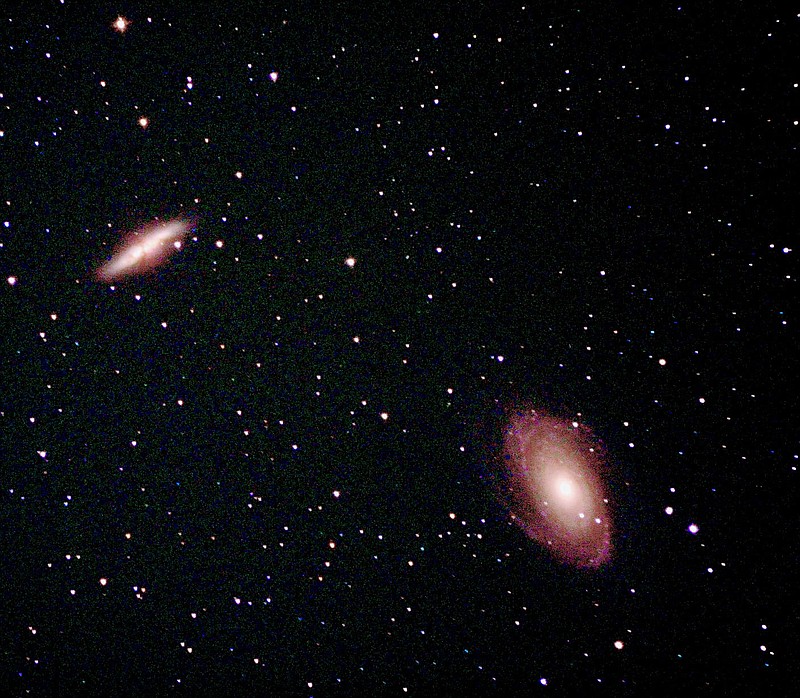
554 490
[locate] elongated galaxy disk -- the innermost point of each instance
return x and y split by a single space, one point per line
144 250
554 490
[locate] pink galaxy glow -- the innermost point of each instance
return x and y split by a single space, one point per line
554 490
144 250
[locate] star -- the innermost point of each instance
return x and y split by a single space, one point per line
120 24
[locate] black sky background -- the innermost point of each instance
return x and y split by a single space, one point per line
530 214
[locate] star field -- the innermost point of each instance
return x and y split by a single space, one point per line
271 458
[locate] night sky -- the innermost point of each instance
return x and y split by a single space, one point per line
272 462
